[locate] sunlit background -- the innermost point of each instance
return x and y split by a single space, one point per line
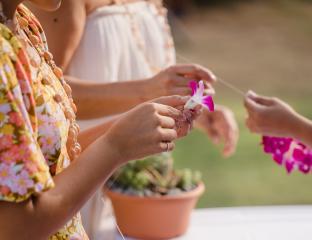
265 46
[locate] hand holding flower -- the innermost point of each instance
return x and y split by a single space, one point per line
175 80
193 107
148 129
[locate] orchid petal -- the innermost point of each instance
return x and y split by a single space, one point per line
298 155
289 166
193 86
208 101
201 88
278 158
198 97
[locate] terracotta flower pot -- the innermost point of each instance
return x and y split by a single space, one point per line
154 218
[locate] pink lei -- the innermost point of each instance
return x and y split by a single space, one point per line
289 153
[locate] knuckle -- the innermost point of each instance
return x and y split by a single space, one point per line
197 67
157 119
158 133
171 122
174 134
162 146
153 107
275 99
171 146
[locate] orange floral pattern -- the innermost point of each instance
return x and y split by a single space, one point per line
33 126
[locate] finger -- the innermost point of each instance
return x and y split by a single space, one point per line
209 90
198 110
166 146
166 122
251 126
180 81
251 105
173 101
167 135
195 71
230 143
214 135
164 110
231 140
181 91
262 100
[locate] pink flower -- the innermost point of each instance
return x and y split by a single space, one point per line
16 153
31 167
7 172
15 119
289 153
277 147
21 182
4 190
5 108
6 141
198 97
48 146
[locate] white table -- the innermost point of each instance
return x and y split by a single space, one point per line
249 223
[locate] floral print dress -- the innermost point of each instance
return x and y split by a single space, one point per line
33 126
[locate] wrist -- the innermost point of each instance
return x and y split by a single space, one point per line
147 90
153 89
112 151
302 130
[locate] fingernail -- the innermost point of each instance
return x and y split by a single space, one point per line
185 98
210 91
177 112
251 93
214 77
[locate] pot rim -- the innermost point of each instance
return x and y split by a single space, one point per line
196 192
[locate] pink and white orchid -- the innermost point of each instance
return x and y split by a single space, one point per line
199 97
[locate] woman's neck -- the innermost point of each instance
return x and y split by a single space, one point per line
9 7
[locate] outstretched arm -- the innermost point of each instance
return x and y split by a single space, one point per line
273 117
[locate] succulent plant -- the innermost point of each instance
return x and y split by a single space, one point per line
154 176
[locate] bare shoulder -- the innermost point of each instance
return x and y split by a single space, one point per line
67 6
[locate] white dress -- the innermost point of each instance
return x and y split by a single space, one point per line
109 52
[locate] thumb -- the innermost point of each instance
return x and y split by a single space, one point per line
251 105
261 100
173 101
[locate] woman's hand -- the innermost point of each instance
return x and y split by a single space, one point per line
175 80
270 116
148 129
220 126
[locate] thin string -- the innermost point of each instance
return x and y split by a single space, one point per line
219 79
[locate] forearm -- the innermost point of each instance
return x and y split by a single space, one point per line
49 211
88 136
302 131
96 100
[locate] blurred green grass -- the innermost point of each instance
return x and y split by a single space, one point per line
271 55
